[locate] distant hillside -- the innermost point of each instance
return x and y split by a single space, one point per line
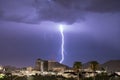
57 64
112 65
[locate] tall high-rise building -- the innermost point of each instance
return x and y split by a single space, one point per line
38 65
45 65
41 65
51 65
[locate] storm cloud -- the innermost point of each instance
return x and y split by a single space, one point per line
69 11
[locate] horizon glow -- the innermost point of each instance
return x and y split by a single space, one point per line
62 43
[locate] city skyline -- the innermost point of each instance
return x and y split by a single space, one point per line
29 29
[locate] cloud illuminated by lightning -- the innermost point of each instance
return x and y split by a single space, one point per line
62 43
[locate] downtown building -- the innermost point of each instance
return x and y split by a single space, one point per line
41 65
48 65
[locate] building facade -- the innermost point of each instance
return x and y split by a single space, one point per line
41 65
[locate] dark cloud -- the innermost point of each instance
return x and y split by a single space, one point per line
52 11
74 4
73 10
92 5
103 6
18 11
70 11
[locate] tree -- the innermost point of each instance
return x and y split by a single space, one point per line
77 66
94 66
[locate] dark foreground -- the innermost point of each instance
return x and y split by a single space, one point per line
39 77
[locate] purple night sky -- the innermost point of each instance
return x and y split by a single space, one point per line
29 29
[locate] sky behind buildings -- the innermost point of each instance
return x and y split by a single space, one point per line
29 29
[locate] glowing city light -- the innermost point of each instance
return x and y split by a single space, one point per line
62 42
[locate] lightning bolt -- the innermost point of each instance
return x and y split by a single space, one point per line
62 43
